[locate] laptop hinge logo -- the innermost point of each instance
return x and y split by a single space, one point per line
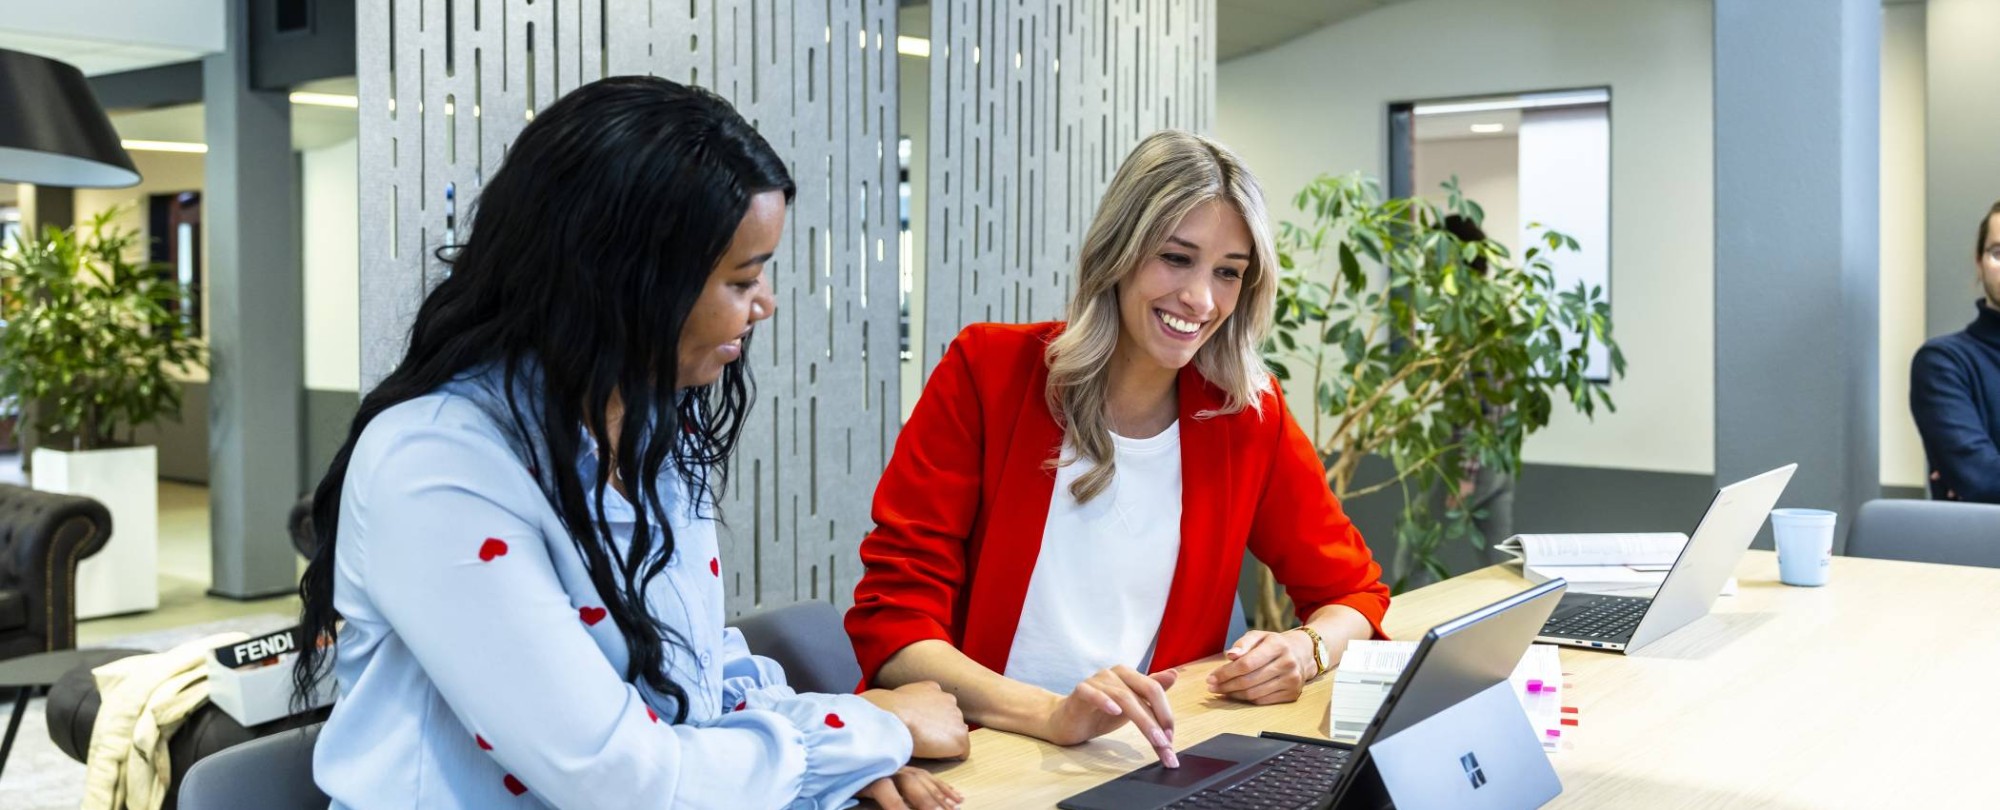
1473 773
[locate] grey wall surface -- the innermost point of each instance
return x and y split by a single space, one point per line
328 414
183 442
819 81
1797 160
1034 104
1961 151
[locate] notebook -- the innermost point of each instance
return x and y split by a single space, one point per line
1369 668
1615 564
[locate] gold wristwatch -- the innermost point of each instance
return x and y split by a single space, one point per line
1319 650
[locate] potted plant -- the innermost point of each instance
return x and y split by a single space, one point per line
1435 352
91 343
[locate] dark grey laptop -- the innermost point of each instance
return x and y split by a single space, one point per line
1450 734
1625 623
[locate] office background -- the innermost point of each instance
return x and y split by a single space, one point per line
1003 156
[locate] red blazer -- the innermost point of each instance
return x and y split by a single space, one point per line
960 510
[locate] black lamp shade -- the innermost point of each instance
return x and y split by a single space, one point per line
52 130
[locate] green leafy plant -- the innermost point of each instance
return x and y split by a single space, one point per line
89 341
1414 353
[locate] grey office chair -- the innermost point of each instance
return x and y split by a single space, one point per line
808 640
1927 531
272 772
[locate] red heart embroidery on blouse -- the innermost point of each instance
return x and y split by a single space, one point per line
651 715
483 744
833 721
493 547
591 615
715 566
741 704
514 786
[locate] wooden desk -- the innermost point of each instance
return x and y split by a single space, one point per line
1880 690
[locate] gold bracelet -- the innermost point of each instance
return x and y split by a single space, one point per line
1319 660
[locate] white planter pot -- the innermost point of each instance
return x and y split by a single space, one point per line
124 576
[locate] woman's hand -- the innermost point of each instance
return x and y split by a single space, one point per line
937 728
1265 668
1110 699
912 789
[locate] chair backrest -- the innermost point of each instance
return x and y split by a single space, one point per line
272 772
808 640
1238 624
1927 531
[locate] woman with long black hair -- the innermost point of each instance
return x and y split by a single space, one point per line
519 530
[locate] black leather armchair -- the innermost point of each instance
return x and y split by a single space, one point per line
43 535
74 701
300 525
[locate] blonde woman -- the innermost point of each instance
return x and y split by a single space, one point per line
1068 507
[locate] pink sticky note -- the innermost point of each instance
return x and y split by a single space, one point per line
1555 732
1534 686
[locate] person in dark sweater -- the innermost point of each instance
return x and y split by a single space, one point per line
1955 390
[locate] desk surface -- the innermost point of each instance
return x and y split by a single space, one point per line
1878 690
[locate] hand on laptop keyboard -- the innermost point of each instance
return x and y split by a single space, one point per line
1110 699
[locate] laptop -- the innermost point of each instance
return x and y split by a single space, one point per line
1449 734
1626 623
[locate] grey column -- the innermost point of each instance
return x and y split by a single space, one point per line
256 308
1797 87
1961 152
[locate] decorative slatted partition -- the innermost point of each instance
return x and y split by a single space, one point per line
1033 105
447 84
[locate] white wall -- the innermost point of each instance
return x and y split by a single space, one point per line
331 240
1488 171
1566 185
1657 58
1961 161
1903 249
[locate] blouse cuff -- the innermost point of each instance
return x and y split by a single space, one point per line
849 743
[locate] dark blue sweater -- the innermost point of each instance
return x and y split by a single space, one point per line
1955 397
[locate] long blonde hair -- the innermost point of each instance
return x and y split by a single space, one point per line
1168 175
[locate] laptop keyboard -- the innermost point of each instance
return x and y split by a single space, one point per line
1301 777
1605 618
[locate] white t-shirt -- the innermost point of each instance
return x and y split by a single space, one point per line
1101 581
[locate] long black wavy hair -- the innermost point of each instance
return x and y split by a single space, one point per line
588 249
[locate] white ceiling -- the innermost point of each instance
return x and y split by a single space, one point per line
1247 26
312 127
108 36
94 57
1458 126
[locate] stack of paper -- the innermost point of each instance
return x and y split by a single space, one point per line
1538 684
1605 563
1369 668
1361 682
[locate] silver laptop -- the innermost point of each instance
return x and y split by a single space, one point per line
1626 623
1450 735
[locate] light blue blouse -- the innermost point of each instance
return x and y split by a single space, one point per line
477 667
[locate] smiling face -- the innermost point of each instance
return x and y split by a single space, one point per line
1183 291
735 298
